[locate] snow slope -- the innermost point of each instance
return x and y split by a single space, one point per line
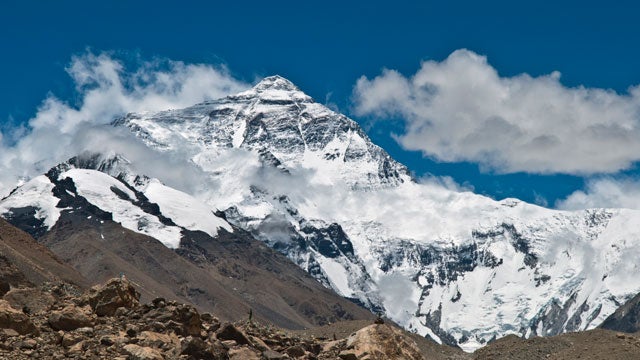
126 205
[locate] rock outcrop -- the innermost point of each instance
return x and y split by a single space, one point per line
626 318
116 293
15 320
380 342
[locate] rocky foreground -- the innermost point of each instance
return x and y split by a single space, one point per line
59 321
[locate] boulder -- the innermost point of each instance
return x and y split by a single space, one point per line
30 299
196 348
16 320
296 351
71 338
158 340
380 341
189 317
182 319
136 352
230 332
169 343
8 333
70 318
107 298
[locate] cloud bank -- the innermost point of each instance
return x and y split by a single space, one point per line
461 109
604 193
105 90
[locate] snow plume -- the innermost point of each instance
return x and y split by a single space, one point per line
105 90
461 109
605 193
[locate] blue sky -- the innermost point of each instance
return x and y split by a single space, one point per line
326 47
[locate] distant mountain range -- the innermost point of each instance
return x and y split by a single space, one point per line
270 166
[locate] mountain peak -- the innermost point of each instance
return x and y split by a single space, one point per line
275 82
274 89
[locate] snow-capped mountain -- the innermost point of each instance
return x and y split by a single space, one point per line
138 203
455 266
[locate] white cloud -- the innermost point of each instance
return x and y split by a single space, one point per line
105 90
461 109
604 193
446 182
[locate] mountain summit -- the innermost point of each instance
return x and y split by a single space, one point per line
275 82
282 124
460 268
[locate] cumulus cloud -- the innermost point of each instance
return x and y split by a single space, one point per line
105 89
604 193
461 109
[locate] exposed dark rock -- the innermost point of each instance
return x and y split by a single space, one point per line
626 318
230 332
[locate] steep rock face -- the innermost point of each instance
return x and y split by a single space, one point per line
626 318
455 266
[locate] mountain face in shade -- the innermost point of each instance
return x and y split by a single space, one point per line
458 267
24 262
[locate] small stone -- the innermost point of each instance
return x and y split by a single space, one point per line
159 302
243 353
296 351
9 332
229 343
120 312
28 344
86 331
71 338
206 317
272 355
132 330
157 340
348 355
77 348
258 343
212 327
158 326
107 340
136 352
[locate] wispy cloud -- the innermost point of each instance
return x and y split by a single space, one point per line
105 90
604 193
461 109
